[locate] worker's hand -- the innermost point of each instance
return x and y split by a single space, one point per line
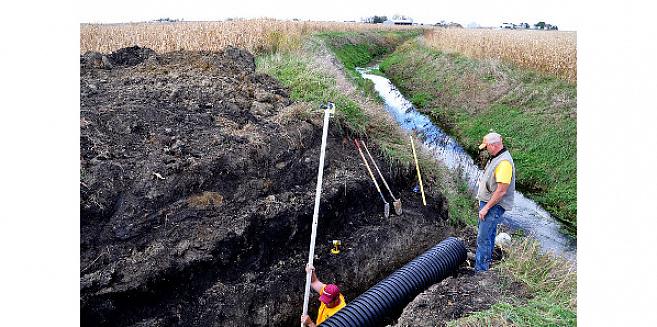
305 320
482 213
309 268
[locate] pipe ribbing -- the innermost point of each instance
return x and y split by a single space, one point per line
401 286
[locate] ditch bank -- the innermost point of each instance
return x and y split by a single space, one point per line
197 180
536 114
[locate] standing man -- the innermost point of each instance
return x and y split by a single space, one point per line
330 297
496 188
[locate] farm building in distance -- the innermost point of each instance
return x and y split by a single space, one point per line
399 21
526 26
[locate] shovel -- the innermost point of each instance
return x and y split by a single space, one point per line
396 203
386 206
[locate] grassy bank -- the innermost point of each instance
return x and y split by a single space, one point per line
358 49
314 87
551 281
535 113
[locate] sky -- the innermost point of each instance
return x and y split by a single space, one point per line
481 12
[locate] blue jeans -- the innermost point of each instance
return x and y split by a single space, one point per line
486 236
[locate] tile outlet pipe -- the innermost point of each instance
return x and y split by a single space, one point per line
401 286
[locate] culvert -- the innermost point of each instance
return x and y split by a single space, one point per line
401 286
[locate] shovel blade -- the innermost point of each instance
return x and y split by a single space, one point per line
386 210
397 206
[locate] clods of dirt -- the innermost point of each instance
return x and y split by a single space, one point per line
460 295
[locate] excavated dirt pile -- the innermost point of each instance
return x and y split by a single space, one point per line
197 185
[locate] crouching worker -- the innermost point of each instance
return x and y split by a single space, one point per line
330 297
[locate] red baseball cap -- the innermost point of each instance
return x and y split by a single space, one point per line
331 292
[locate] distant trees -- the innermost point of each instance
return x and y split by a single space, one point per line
397 18
375 19
544 26
167 20
445 24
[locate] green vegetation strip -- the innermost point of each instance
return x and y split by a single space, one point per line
535 114
358 49
312 86
551 281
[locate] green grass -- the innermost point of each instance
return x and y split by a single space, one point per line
358 55
550 280
535 116
544 152
312 86
355 49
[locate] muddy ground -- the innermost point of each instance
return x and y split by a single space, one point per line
197 182
455 297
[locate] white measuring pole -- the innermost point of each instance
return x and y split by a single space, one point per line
318 194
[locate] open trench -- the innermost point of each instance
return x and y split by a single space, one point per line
258 275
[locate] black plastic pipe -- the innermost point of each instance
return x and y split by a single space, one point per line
401 286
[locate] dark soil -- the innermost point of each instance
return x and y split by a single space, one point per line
458 296
197 183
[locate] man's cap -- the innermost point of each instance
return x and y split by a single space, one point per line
490 138
331 292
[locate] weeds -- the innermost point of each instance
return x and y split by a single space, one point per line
313 86
551 280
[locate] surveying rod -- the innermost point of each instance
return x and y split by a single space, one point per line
329 109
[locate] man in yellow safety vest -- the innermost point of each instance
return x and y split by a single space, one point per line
330 297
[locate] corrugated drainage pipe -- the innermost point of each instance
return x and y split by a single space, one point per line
401 286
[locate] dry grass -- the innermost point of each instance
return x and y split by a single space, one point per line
205 200
550 52
256 35
554 276
552 281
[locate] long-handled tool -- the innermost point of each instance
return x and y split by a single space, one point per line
329 109
386 206
417 167
396 203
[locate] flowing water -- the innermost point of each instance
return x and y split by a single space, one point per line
526 214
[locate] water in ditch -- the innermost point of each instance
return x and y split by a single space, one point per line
526 214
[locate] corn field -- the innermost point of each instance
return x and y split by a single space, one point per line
256 35
550 52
